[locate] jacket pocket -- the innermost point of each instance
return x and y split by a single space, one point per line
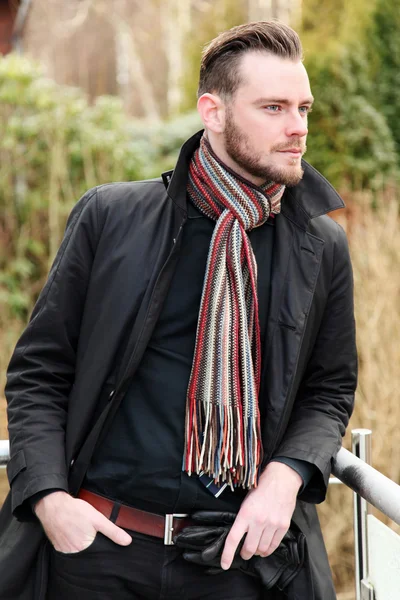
15 465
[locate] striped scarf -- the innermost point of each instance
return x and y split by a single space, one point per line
222 430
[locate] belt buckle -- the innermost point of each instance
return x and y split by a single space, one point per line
169 527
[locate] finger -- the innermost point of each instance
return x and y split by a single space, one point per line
251 543
113 532
265 541
232 541
267 550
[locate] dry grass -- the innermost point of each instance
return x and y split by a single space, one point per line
4 487
375 248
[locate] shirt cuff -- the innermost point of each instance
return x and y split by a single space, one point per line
305 469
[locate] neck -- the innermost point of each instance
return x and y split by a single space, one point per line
218 147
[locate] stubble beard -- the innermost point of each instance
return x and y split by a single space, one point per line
238 148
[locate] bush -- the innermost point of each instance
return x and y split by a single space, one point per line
349 140
53 147
383 40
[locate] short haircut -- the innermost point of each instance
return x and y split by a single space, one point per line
219 70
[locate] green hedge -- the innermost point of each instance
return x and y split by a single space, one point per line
382 39
53 147
349 140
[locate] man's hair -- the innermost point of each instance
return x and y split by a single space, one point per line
220 64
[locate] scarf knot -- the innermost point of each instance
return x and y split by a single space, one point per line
222 429
214 188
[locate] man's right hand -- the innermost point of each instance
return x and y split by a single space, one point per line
71 524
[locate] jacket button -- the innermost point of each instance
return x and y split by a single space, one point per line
111 395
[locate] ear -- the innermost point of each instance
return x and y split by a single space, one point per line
212 112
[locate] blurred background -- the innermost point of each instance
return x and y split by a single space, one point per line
93 91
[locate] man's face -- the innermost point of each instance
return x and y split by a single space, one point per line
266 120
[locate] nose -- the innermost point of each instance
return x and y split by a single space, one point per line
296 125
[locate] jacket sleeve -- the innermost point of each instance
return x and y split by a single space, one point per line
41 371
305 469
325 399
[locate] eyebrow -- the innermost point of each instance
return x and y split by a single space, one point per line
308 100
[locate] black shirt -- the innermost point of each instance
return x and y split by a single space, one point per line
140 460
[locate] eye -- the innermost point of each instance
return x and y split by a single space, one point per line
273 107
305 110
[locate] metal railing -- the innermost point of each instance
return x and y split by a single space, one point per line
369 486
4 452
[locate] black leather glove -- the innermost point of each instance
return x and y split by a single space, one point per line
203 544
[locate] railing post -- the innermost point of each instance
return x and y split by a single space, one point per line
4 452
361 447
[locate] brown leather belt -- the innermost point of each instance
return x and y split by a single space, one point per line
163 527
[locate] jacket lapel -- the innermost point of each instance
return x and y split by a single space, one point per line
295 268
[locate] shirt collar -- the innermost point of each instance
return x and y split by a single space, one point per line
193 212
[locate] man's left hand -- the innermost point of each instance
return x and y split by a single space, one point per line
264 515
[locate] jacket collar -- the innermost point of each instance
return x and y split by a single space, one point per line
312 197
176 181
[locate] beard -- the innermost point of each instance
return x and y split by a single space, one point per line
239 149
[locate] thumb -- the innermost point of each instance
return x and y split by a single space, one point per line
113 532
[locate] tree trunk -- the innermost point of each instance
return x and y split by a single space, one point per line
177 22
130 70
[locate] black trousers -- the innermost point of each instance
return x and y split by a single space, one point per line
144 570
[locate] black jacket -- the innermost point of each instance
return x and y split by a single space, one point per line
95 315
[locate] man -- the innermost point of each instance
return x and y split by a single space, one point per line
193 350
